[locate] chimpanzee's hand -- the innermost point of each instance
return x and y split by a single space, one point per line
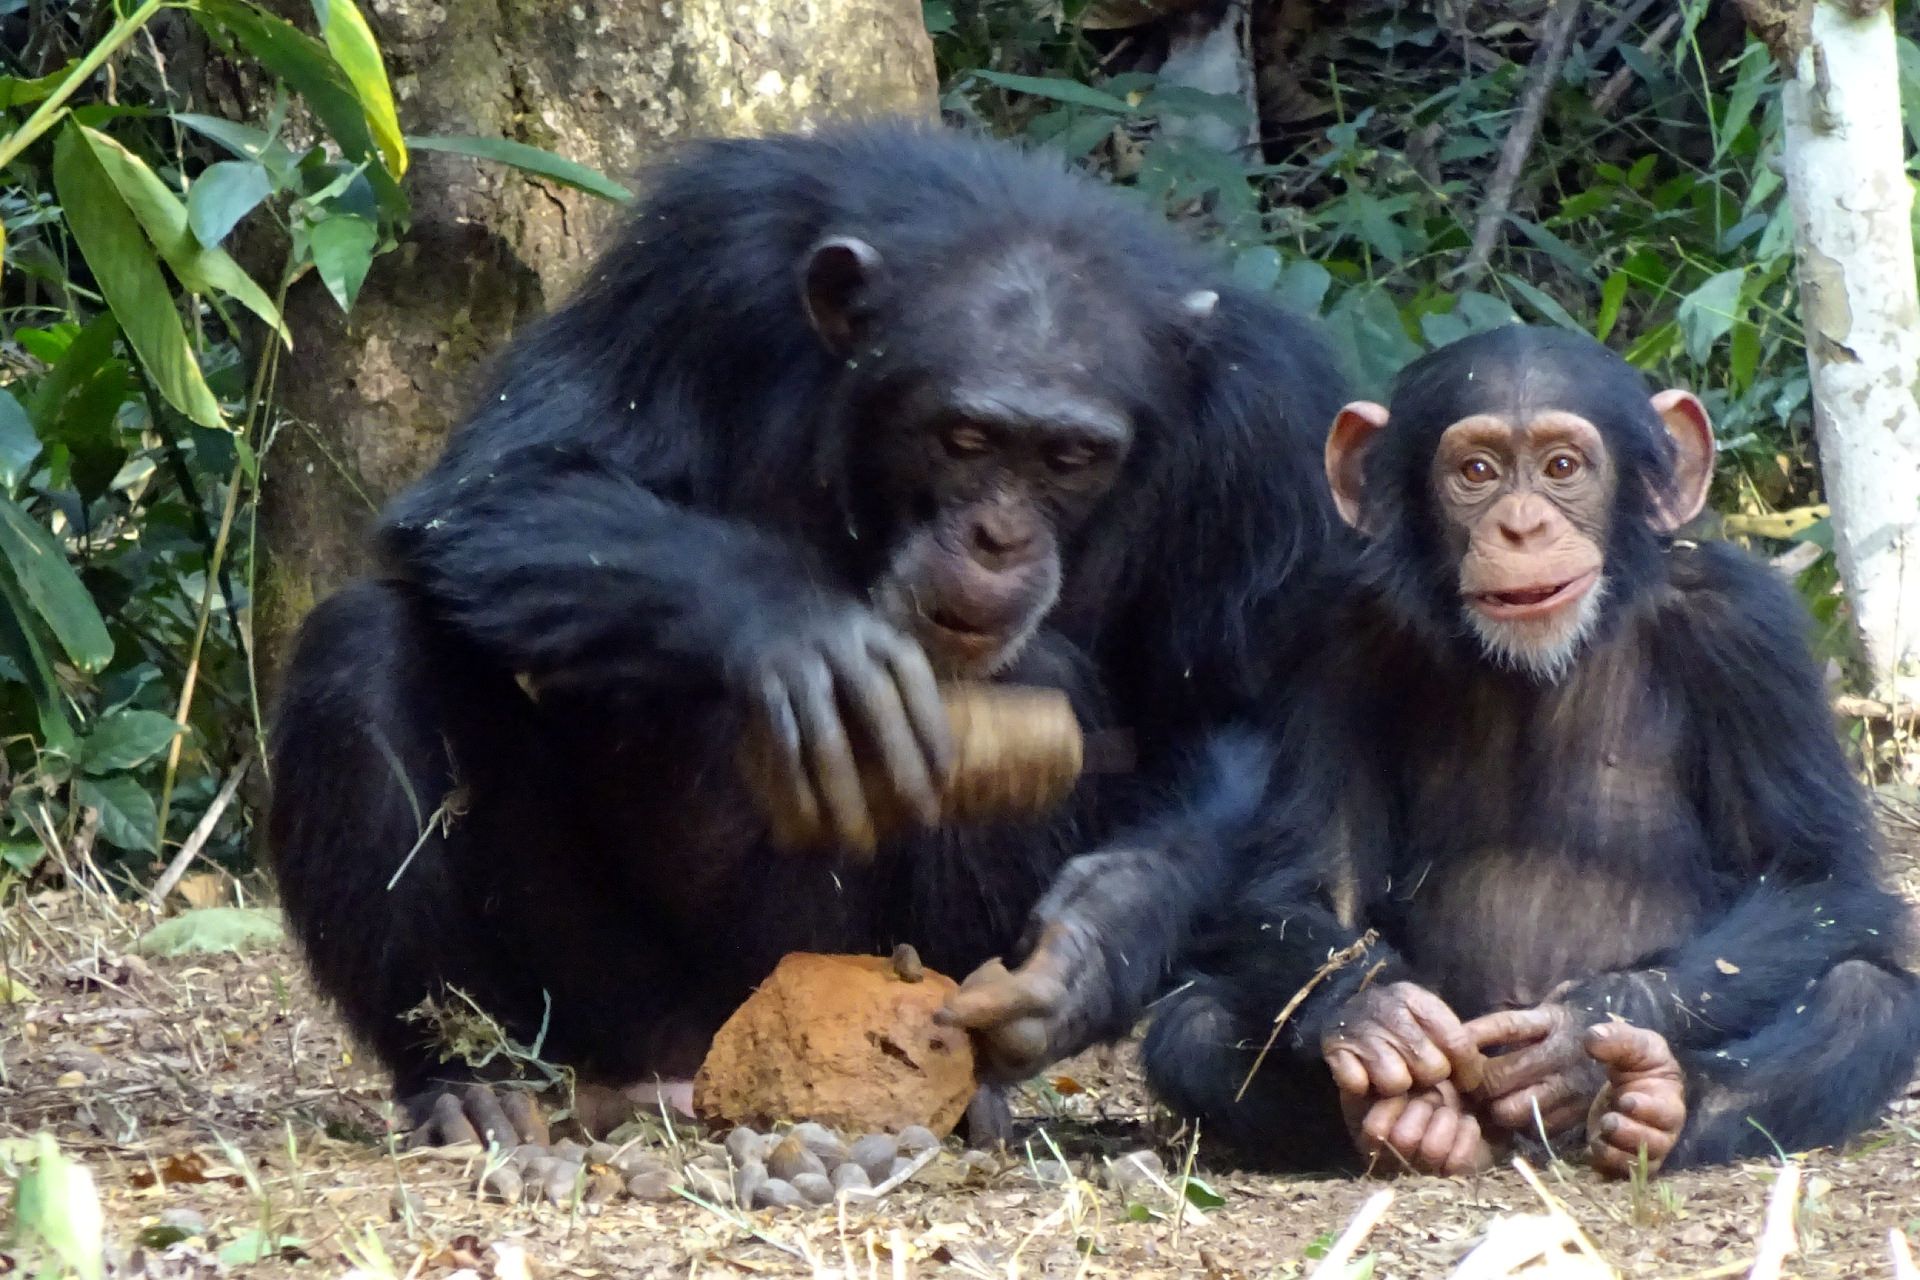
1545 1065
1396 1038
1024 1018
1644 1103
802 676
1427 1131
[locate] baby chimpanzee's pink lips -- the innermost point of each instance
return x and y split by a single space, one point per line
1533 602
963 635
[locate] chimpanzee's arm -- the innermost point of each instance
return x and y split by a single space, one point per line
1784 817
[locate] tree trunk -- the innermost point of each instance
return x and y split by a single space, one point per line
368 399
1846 177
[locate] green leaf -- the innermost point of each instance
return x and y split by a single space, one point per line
19 446
357 54
124 268
1303 286
127 816
56 1205
532 160
1202 1196
17 91
213 929
52 589
20 643
246 142
125 739
1706 314
938 16
1068 91
1543 303
342 251
165 220
1612 294
223 194
254 1246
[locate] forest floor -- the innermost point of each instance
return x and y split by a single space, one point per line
231 1131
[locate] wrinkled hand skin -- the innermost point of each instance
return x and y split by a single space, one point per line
1025 1018
454 1113
1543 1064
1431 1130
1643 1104
1394 1039
798 679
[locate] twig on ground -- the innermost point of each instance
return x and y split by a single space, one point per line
1334 1263
1777 1239
1335 962
1541 73
1617 84
197 839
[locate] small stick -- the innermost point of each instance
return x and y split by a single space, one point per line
197 839
1616 86
920 1162
1558 1209
1336 1259
1777 1240
1541 73
1335 962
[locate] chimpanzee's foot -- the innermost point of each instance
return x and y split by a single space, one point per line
1643 1105
989 1119
447 1114
602 1108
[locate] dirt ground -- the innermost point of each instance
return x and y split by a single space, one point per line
215 1099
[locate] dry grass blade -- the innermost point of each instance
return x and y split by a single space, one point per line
1335 962
1337 1258
197 839
1777 1238
1556 1207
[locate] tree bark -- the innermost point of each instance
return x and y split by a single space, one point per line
368 399
1852 205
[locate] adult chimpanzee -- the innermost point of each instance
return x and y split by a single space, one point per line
1580 780
835 418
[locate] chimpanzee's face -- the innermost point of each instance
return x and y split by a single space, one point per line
990 425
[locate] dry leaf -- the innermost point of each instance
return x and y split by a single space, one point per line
1726 966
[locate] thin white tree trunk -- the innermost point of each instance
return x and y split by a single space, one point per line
1846 176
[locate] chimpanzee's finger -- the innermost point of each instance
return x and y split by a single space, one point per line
1464 1061
1616 1149
802 808
487 1116
1387 1072
920 696
1516 1110
991 1004
1660 1110
1504 1028
831 756
1626 1050
1376 1127
1349 1073
870 689
1470 1153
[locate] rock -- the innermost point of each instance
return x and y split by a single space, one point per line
710 1184
775 1194
851 1177
562 1181
191 1222
915 1139
1051 1173
981 1163
525 1154
636 1164
815 1188
744 1146
653 1185
822 1141
791 1158
875 1153
539 1168
504 1184
602 1153
842 1040
1134 1174
603 1185
569 1150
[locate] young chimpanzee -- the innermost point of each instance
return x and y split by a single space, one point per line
1580 781
834 419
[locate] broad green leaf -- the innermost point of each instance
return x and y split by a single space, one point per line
1202 1196
16 91
125 739
52 589
1069 91
342 251
123 265
165 220
56 1205
22 855
19 446
223 194
531 159
213 929
357 54
20 643
1184 100
938 16
74 362
1303 286
1706 314
1612 294
127 816
1257 267
246 142
1543 303
254 1245
13 991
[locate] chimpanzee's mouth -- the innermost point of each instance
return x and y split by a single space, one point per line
1533 602
959 626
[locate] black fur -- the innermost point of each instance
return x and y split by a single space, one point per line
1671 828
675 459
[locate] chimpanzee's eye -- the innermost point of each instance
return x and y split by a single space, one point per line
1071 457
964 440
1563 466
1477 471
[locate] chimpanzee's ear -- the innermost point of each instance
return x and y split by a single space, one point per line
1692 434
835 281
1354 429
